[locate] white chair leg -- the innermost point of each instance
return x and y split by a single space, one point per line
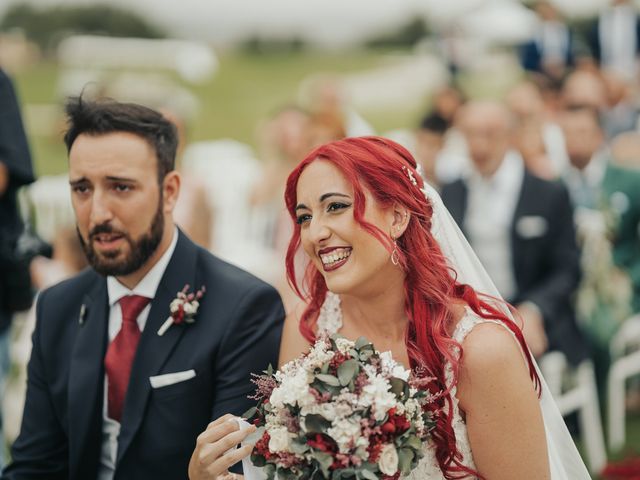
619 372
553 365
589 417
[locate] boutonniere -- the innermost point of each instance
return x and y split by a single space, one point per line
183 308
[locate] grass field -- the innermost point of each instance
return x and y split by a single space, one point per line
246 89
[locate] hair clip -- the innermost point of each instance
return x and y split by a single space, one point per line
410 175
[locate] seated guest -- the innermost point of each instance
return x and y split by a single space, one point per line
527 245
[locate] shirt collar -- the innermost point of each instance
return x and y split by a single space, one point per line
148 286
511 168
593 173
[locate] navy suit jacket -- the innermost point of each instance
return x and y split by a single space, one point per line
236 332
546 263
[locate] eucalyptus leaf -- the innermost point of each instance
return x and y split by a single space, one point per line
397 386
368 474
299 447
325 461
270 471
348 473
413 442
405 458
250 413
316 423
361 342
328 379
347 372
365 355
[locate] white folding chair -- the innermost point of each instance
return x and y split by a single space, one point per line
229 171
51 201
625 364
581 396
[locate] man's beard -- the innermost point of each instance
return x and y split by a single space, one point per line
139 250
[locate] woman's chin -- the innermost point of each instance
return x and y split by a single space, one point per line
338 285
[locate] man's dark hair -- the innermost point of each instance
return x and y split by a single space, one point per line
434 122
98 117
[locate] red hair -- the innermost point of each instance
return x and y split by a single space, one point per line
385 168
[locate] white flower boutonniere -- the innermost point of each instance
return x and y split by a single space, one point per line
183 308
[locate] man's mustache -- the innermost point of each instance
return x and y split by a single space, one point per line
104 228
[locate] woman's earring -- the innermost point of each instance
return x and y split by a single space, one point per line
395 254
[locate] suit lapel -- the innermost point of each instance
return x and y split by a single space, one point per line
86 372
153 349
457 202
519 211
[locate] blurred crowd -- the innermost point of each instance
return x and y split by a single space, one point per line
544 182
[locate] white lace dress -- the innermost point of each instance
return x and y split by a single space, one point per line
330 322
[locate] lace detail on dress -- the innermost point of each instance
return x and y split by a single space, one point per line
330 317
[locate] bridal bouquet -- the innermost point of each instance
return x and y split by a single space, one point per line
341 411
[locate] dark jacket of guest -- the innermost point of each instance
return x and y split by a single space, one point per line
14 154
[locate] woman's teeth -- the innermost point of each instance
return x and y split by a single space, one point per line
335 256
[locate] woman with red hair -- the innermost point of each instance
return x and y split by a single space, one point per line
387 262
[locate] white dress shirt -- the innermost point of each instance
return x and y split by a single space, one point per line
147 287
618 41
584 185
553 42
491 204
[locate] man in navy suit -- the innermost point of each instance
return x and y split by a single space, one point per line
123 377
521 227
550 51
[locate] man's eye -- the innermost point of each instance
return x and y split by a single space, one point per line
122 187
334 206
80 189
303 218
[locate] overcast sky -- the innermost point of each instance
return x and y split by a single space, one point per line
328 21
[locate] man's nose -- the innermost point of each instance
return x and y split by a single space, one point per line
100 209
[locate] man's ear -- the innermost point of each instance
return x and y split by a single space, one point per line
400 220
170 190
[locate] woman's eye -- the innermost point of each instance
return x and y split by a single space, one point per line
303 218
335 206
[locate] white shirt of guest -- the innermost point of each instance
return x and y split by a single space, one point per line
618 41
553 42
584 185
147 287
491 204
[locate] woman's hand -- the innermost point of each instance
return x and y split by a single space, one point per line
215 449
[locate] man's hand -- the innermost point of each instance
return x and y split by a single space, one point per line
533 328
215 449
4 178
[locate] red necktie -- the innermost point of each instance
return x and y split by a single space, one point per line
121 352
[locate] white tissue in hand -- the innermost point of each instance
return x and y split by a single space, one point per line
251 472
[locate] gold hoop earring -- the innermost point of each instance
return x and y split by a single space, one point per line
395 254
